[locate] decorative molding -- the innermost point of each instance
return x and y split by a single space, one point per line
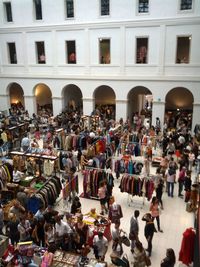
121 101
86 99
29 96
57 98
7 95
157 102
103 78
132 23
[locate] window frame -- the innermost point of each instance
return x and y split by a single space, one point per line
5 4
147 57
189 56
65 8
99 54
37 54
100 9
67 55
34 10
142 13
185 10
9 54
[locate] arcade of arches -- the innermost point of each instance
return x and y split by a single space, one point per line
178 102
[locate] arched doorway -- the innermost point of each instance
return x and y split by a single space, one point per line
104 100
72 98
16 94
43 98
140 101
179 107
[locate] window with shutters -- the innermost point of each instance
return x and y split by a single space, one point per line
12 53
40 53
8 11
105 7
104 51
69 8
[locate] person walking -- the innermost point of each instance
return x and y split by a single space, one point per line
154 208
171 176
181 180
149 231
159 192
134 229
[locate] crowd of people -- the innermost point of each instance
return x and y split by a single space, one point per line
50 229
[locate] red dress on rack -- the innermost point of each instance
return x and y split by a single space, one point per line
187 246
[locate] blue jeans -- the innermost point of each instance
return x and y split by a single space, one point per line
170 188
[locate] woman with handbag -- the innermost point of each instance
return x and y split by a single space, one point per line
139 256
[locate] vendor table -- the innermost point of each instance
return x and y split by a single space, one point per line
62 258
156 161
95 228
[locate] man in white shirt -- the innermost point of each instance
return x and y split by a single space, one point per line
100 244
61 228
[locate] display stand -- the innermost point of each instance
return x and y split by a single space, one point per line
133 202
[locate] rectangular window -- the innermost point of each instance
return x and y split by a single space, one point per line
186 5
40 52
71 52
104 51
70 8
142 50
143 6
8 11
105 7
183 49
12 53
38 9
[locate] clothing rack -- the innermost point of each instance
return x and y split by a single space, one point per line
93 168
142 188
38 190
37 156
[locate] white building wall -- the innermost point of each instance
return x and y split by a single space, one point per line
161 25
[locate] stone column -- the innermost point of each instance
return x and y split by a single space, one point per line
121 110
88 106
195 116
30 104
57 105
158 110
5 102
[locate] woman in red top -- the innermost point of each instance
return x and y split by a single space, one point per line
154 208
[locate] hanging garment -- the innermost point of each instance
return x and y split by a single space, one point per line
187 247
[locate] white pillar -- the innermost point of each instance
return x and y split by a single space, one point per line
5 102
196 115
121 110
30 104
158 110
57 105
88 106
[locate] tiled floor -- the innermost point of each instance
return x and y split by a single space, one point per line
174 221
